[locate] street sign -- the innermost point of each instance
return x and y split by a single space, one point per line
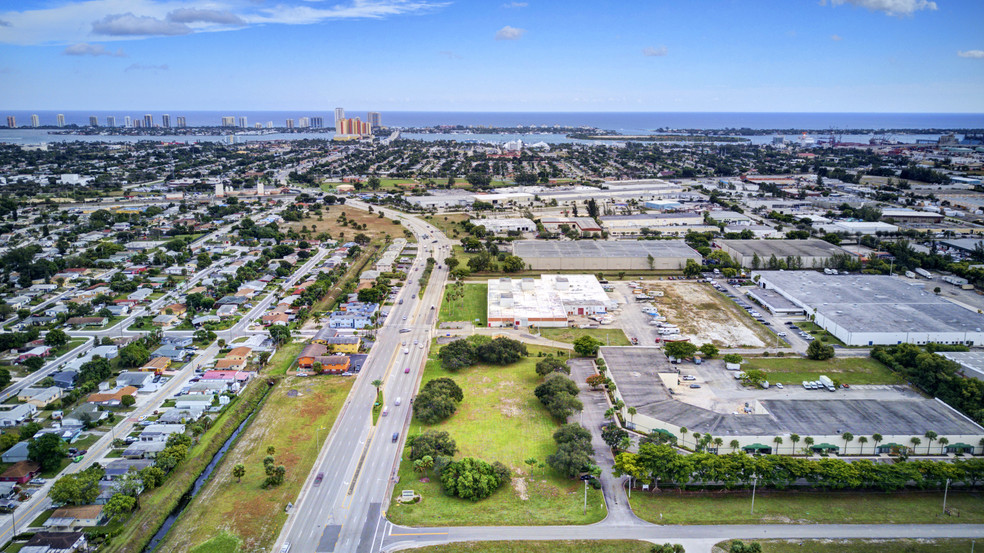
407 495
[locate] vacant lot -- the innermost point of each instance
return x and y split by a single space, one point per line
848 370
607 336
244 509
473 305
808 508
858 546
707 316
499 420
449 224
345 228
280 361
572 546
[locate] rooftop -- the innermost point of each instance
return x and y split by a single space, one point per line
606 248
784 248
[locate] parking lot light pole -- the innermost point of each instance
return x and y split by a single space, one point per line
754 483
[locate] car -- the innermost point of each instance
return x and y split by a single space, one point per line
695 385
689 377
77 459
779 385
406 370
404 317
404 330
73 451
766 323
302 374
414 296
398 401
421 346
406 351
415 341
396 437
401 301
38 481
781 334
319 478
386 411
403 343
285 548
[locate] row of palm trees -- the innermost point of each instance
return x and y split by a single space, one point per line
702 441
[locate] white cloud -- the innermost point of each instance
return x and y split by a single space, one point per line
515 5
192 15
836 38
654 52
359 9
86 49
127 24
975 54
449 54
139 67
891 7
509 33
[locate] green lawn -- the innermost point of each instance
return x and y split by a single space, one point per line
808 508
545 546
848 370
228 513
473 305
819 333
607 336
72 344
861 546
499 420
284 357
450 224
113 321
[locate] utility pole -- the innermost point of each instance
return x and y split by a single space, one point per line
754 483
945 491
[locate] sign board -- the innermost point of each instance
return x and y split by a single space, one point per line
407 494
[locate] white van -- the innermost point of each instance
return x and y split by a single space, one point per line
386 411
397 402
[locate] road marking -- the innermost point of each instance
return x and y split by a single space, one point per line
423 534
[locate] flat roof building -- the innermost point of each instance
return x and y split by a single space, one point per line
910 216
864 310
808 254
605 255
545 302
502 226
632 225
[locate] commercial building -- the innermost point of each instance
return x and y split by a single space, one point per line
807 254
910 216
864 310
502 226
643 379
859 227
545 302
665 223
609 255
583 224
971 362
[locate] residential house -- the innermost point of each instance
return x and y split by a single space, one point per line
56 310
56 542
140 294
87 321
230 364
239 353
138 380
227 311
164 321
39 351
241 377
308 355
343 344
143 450
173 353
82 516
87 412
232 300
39 397
65 379
178 341
21 472
344 319
322 335
17 414
336 364
119 467
119 310
160 432
271 319
113 398
180 416
177 309
209 387
203 319
193 402
106 352
16 454
156 365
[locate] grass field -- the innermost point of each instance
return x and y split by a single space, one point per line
450 224
607 336
808 508
332 223
859 546
819 333
571 546
384 184
474 305
849 370
244 510
284 357
499 420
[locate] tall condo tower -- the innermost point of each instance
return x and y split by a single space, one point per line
35 121
11 121
148 120
93 121
181 122
110 121
166 121
127 122
61 119
242 121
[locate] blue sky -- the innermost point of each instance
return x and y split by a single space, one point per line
432 55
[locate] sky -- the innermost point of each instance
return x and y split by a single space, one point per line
486 55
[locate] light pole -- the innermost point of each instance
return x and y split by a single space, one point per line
754 483
945 491
317 436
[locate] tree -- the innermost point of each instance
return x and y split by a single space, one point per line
437 400
680 350
203 260
5 377
930 438
739 546
432 443
550 365
280 334
732 358
470 478
56 338
128 401
848 438
134 355
586 346
862 440
77 489
34 364
632 413
457 355
692 269
151 477
709 350
778 441
596 381
119 505
559 395
47 450
573 450
819 351
239 471
377 384
613 435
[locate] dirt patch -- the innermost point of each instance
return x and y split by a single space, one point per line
519 484
510 408
703 315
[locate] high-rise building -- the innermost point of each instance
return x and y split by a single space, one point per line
375 119
148 120
290 123
304 122
269 124
339 115
259 188
35 121
353 127
111 121
228 121
61 119
127 122
166 121
257 125
219 191
181 122
242 121
317 122
93 121
11 121
137 123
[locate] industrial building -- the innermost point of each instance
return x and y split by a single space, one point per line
864 310
910 216
607 255
583 224
859 227
971 362
808 254
503 226
644 377
632 225
545 302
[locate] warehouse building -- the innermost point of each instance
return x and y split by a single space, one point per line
910 216
605 255
503 226
807 254
545 302
583 224
859 227
865 310
644 377
632 225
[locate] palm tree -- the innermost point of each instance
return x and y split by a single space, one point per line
794 439
808 441
718 442
862 440
943 442
915 443
239 471
778 441
610 413
377 384
696 436
632 411
683 436
734 445
930 437
877 438
848 438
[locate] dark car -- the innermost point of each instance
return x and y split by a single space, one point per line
396 437
319 478
695 385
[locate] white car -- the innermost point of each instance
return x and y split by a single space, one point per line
779 385
406 351
782 334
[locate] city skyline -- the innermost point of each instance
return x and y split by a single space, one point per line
829 56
